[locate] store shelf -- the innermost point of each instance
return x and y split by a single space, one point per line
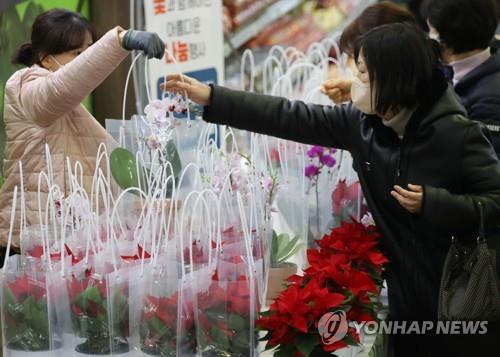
271 14
353 14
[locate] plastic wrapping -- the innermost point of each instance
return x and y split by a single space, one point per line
28 300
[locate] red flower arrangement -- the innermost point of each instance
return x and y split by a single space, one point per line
344 274
26 314
224 316
158 331
90 314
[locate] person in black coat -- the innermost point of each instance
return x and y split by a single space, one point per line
465 29
420 182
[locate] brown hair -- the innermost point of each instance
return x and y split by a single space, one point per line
382 13
53 32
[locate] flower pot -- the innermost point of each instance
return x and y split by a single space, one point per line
277 280
122 350
124 354
57 351
16 353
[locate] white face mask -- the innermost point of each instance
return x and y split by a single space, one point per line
57 62
362 96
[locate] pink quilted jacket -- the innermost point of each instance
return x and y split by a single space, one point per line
44 107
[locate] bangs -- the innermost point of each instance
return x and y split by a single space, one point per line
71 36
400 61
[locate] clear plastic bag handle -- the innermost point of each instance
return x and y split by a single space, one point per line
247 54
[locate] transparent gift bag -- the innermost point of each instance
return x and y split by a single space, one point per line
225 311
162 312
347 200
29 297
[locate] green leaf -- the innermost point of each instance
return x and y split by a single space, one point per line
221 340
306 344
284 351
172 155
37 317
283 240
350 340
92 294
242 340
10 302
120 307
125 171
237 323
274 249
291 249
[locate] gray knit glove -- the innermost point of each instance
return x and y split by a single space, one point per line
148 42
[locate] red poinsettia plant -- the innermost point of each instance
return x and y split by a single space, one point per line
90 302
347 201
344 274
26 321
224 316
159 322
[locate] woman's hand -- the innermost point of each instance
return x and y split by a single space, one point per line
338 90
409 200
196 91
148 42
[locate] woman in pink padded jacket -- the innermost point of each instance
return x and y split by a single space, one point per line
64 63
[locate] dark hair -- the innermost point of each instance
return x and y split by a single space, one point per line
53 32
400 60
382 13
463 25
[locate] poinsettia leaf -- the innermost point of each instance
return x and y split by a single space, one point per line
350 340
11 302
92 294
284 351
120 307
237 323
241 340
221 340
306 344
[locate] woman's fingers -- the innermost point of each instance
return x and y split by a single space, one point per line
411 200
416 188
338 90
196 91
403 201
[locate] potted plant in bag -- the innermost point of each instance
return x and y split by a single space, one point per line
225 317
26 318
283 248
159 326
90 314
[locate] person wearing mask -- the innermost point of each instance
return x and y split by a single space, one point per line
382 13
64 62
465 29
420 189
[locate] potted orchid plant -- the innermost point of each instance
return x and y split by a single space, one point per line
283 248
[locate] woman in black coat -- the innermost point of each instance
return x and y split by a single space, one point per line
420 161
465 29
